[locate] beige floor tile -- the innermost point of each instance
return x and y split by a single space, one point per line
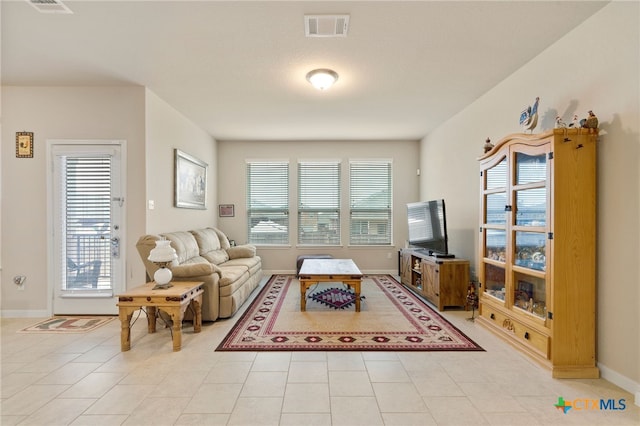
30 399
121 399
309 356
454 410
15 382
265 384
386 371
341 361
214 398
355 411
398 398
202 419
256 412
157 411
408 419
350 383
183 383
59 411
306 398
99 420
94 385
228 372
308 372
272 361
307 419
69 374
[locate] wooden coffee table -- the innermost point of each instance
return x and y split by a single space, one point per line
174 301
314 271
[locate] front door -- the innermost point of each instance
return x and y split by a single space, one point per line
87 227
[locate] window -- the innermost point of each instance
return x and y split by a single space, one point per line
268 202
86 205
370 202
319 203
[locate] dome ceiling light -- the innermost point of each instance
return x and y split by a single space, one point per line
322 78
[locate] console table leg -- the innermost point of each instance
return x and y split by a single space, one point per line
125 314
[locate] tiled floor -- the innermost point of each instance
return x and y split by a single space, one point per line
85 380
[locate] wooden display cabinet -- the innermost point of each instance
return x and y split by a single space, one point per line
536 259
441 281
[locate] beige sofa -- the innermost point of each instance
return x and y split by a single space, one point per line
230 273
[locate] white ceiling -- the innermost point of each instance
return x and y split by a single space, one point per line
237 68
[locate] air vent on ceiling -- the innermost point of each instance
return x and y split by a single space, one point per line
326 25
49 6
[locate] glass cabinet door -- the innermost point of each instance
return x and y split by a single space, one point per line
530 168
529 294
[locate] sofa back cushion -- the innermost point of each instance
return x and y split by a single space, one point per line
209 244
185 245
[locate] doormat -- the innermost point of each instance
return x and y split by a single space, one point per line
391 318
68 324
336 298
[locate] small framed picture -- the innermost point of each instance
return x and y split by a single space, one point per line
226 210
24 144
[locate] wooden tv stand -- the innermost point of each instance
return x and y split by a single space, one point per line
442 281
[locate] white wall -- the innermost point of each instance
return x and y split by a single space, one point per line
232 180
595 67
134 114
167 129
60 113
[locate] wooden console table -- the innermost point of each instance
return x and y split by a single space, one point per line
174 301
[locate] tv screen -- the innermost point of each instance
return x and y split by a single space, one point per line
428 227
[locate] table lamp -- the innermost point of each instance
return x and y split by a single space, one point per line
162 255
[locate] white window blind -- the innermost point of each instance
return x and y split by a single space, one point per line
87 217
319 203
370 202
268 202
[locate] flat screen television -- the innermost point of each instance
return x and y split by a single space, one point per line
428 227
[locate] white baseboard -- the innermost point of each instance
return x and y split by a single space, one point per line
621 381
24 314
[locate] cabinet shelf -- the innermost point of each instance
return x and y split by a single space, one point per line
536 258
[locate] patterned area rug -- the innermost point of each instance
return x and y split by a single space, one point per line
391 319
336 298
76 324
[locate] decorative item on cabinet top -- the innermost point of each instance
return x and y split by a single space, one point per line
529 116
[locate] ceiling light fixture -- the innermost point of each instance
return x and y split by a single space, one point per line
322 78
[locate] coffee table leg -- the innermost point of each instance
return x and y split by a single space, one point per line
303 296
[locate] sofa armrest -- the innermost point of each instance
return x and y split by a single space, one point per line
195 270
245 250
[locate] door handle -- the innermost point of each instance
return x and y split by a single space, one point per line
115 247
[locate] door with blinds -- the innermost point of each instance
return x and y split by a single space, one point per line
87 226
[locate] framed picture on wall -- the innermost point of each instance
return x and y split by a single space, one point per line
190 181
226 210
24 144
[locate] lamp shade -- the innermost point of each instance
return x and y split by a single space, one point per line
322 78
163 252
162 255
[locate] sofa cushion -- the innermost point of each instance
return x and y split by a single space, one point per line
185 245
231 274
246 250
224 241
209 243
194 270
